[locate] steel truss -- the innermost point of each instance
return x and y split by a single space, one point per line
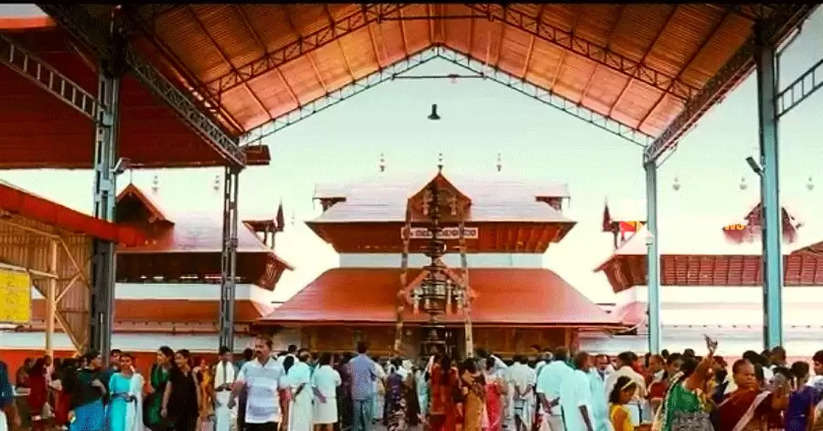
336 96
372 13
228 257
807 83
85 28
592 51
547 97
732 73
46 77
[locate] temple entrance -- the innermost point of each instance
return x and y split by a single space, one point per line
438 338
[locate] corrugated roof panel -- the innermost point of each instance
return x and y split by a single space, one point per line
300 77
306 17
330 66
599 22
271 24
240 102
719 50
178 30
389 41
663 114
225 24
270 89
639 26
358 50
416 31
562 15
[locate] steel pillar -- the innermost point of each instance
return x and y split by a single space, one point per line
653 259
769 189
105 193
228 262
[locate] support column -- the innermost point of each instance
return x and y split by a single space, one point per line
771 219
105 193
653 259
51 299
228 262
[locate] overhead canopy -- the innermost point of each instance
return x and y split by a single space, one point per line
651 69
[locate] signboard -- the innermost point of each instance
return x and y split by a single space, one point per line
446 233
15 291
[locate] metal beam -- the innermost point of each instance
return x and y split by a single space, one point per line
587 49
548 97
336 96
780 21
46 77
105 192
653 259
228 260
772 260
361 18
807 83
77 21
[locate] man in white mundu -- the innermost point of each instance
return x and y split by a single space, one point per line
224 377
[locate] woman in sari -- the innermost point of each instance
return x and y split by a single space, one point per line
126 389
38 395
204 375
685 406
443 384
495 390
474 397
397 390
158 377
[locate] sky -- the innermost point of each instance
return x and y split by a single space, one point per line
480 119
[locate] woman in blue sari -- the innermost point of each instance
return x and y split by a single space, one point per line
126 389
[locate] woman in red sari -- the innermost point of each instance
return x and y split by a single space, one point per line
38 396
443 385
495 389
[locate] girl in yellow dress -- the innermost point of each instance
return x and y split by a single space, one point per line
620 396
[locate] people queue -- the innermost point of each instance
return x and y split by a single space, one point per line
545 390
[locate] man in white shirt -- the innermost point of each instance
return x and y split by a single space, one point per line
576 397
325 381
522 379
224 377
299 376
553 377
262 378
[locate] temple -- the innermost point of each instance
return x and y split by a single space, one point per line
439 260
712 283
168 285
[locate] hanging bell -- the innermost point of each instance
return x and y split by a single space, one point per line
743 184
810 184
676 185
433 115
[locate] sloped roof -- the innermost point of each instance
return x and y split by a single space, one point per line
505 296
494 199
28 205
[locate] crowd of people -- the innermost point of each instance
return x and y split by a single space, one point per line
545 390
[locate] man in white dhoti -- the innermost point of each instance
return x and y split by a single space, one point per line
522 378
299 378
324 382
224 376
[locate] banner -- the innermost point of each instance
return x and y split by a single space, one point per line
445 233
15 291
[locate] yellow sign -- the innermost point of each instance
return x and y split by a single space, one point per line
15 296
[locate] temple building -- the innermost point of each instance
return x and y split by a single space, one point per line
711 283
439 260
168 286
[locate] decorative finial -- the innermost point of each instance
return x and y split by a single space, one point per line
499 162
155 183
382 163
743 184
810 184
216 185
439 162
676 185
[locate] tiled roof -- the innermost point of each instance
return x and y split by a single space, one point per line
505 296
384 199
